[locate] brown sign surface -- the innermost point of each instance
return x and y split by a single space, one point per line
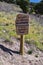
22 24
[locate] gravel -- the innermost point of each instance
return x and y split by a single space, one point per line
9 54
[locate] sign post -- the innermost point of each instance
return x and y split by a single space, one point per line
21 45
22 27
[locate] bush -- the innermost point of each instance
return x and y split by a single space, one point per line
1 0
39 8
30 52
36 55
24 5
31 11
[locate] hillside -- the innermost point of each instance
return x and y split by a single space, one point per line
9 7
10 41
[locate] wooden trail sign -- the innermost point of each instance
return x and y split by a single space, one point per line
22 27
22 24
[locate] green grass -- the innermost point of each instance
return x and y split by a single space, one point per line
7 29
36 34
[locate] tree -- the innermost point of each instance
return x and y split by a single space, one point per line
39 8
24 5
31 6
1 0
41 1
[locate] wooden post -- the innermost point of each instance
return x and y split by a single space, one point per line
21 45
22 23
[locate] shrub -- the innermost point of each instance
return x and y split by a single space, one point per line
30 52
39 8
24 5
36 55
1 0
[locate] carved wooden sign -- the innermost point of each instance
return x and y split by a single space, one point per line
22 24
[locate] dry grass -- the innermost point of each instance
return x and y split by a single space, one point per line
7 29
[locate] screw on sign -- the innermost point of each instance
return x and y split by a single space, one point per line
22 27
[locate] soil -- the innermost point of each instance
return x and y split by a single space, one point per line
10 55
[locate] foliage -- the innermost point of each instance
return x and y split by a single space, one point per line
39 8
1 0
18 2
36 55
31 6
31 10
24 5
30 52
41 1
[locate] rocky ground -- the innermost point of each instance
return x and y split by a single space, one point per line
9 7
9 54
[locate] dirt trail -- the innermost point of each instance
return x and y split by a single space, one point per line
9 54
